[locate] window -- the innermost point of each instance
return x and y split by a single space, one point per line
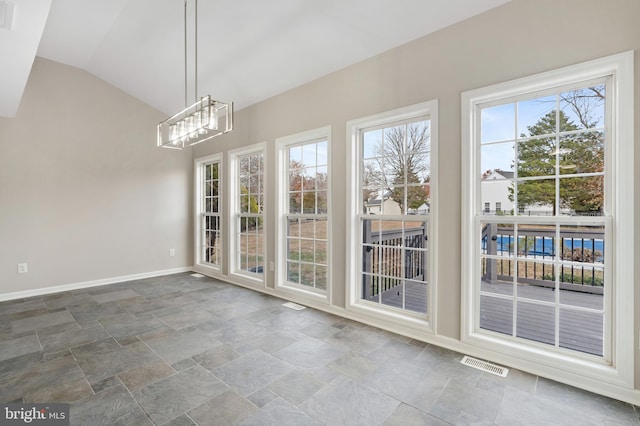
393 202
248 215
487 207
541 274
208 173
304 252
547 269
212 241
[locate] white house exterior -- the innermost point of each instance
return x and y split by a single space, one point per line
495 195
378 206
495 191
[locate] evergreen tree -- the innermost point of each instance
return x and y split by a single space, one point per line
577 153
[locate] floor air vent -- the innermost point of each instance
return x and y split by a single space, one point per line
292 305
485 366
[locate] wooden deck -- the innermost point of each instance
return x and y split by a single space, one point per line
579 330
415 298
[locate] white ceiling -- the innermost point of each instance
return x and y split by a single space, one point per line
249 50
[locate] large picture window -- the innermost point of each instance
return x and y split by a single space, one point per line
545 280
210 217
542 268
394 201
305 249
208 208
248 217
395 181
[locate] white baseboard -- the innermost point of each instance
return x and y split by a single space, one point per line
87 284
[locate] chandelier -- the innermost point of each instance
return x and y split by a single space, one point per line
203 120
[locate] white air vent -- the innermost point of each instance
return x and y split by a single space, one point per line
6 14
196 275
294 306
485 366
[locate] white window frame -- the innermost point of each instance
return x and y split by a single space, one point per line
247 278
283 143
198 169
408 319
572 367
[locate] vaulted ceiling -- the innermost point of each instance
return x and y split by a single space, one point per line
248 50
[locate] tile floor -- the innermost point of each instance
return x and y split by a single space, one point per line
179 350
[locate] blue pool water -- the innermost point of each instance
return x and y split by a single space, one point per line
546 246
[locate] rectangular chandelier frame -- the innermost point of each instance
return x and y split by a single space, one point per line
205 119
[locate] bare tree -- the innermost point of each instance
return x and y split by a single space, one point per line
584 103
403 162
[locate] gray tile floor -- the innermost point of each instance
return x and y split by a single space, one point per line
180 350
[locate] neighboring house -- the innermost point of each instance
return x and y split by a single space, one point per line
495 191
495 195
384 204
423 209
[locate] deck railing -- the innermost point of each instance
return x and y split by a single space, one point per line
387 263
582 255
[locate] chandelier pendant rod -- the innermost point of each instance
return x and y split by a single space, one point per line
185 54
206 118
195 52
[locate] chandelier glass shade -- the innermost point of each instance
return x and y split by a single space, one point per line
205 119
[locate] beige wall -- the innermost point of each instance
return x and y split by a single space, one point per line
515 40
84 193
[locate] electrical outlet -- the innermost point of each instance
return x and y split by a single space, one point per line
172 252
22 268
272 266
